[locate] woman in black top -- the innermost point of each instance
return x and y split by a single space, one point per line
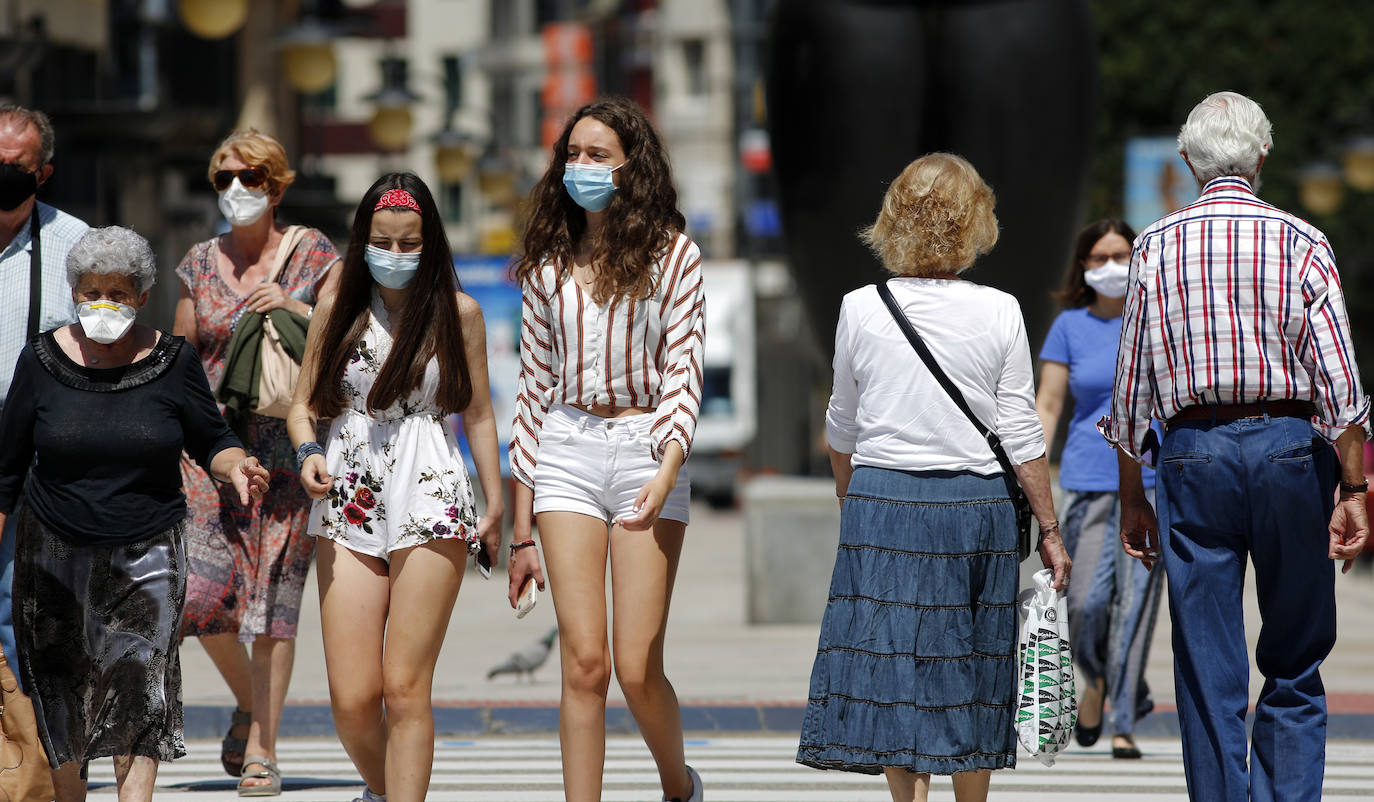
106 407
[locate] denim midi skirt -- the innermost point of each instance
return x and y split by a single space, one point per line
916 664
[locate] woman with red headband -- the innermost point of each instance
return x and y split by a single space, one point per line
396 351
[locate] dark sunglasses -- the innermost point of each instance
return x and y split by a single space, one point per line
252 178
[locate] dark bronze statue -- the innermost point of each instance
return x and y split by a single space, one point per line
859 88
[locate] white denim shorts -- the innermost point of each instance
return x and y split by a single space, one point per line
597 466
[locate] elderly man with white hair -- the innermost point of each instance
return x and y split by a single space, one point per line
106 407
1235 333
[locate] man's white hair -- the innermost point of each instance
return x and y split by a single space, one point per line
1226 134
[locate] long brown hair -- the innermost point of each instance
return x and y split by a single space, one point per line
1075 293
427 327
642 219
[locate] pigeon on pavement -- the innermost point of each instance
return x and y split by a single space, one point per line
526 659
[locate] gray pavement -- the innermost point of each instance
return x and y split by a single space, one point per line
716 660
756 768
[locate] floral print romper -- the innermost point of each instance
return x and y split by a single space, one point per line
399 479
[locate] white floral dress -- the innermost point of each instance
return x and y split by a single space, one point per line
399 479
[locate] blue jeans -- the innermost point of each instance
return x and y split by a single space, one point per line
7 539
1112 613
1263 487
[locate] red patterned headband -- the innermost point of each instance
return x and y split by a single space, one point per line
397 199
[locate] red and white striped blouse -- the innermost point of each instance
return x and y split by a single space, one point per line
1232 301
631 353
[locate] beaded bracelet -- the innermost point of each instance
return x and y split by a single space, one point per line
514 547
305 450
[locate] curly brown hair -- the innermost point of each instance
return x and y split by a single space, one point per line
642 220
936 218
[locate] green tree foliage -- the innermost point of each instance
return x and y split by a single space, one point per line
1309 63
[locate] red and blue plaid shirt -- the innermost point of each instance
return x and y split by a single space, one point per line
1232 301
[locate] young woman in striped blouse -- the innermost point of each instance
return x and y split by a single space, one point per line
610 386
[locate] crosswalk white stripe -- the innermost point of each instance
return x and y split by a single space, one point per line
735 769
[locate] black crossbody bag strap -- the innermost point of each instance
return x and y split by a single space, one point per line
990 437
35 274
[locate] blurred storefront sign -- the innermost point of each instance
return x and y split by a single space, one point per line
569 81
1157 180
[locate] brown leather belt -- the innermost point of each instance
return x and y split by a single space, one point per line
1278 408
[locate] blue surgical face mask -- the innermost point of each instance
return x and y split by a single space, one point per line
590 185
390 269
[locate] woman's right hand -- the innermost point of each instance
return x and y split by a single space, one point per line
1055 557
315 476
524 565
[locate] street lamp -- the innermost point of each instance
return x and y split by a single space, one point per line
453 151
307 56
1320 189
1358 163
391 122
453 157
213 19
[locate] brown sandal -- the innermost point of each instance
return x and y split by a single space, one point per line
231 749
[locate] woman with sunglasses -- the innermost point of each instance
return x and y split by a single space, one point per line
1112 613
247 563
610 387
398 350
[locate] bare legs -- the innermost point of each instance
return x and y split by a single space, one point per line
380 677
969 786
259 684
135 776
643 568
67 783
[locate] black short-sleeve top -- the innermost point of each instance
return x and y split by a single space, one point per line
101 448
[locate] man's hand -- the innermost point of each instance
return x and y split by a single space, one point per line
1349 529
1140 531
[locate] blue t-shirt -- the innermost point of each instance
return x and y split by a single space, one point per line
1087 344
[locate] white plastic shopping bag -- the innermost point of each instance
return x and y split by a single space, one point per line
1046 708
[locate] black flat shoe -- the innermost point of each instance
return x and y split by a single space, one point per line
1126 752
1087 736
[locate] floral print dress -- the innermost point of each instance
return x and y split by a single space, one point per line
399 479
246 564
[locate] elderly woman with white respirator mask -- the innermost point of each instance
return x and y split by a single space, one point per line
248 563
1112 614
97 418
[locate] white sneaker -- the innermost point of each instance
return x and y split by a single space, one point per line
698 795
368 796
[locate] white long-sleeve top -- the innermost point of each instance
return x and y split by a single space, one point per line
643 352
890 412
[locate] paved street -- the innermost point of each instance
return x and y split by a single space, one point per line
713 655
734 769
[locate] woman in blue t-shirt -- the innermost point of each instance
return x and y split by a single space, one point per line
1112 612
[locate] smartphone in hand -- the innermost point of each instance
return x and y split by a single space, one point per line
484 562
529 594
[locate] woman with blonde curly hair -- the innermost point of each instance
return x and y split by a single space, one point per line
247 562
915 670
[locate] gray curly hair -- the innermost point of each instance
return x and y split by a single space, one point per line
113 250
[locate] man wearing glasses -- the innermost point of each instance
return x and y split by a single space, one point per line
34 297
1235 334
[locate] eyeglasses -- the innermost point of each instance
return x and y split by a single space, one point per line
1100 259
252 178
